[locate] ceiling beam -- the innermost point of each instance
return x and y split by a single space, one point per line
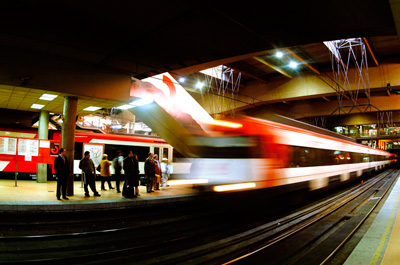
246 73
370 51
303 61
273 67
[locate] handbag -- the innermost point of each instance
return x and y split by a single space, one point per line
98 168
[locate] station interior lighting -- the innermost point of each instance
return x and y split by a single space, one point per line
48 97
199 85
141 102
92 108
37 106
279 54
125 106
293 64
182 80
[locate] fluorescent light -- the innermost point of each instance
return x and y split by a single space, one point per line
91 108
48 97
125 107
279 54
141 102
293 64
239 186
199 85
37 106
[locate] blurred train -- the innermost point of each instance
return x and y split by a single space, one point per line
251 153
109 143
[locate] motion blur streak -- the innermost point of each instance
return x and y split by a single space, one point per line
187 181
224 123
239 186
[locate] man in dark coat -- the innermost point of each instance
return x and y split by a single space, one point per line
130 170
89 175
149 171
62 172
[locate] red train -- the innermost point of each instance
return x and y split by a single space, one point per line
254 153
98 143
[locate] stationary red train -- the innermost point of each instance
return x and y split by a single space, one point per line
98 143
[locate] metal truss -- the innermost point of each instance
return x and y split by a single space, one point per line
318 121
223 89
385 120
346 54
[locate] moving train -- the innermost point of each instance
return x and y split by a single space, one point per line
252 153
97 143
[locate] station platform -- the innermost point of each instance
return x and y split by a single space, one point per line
380 244
29 195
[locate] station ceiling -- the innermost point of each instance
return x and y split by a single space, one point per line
183 37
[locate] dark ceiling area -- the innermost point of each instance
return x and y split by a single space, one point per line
147 37
183 37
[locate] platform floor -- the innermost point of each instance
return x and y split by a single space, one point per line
381 243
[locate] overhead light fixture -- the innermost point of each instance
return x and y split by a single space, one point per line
92 108
279 54
141 102
48 97
199 85
293 65
125 107
182 80
37 106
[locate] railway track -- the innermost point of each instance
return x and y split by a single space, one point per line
200 234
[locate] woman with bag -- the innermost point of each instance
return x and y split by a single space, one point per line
105 172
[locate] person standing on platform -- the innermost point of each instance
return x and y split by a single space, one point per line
105 172
157 173
165 170
89 174
129 169
149 169
118 163
136 177
62 172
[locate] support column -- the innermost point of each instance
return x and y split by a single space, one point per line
43 133
68 137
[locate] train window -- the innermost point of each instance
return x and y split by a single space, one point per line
165 152
228 147
140 151
157 151
78 153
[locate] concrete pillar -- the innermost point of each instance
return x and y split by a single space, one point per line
43 133
68 137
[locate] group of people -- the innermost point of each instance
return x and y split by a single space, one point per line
156 172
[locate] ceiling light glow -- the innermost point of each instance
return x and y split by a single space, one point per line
293 64
37 106
48 97
279 54
92 108
125 107
182 80
199 85
141 102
